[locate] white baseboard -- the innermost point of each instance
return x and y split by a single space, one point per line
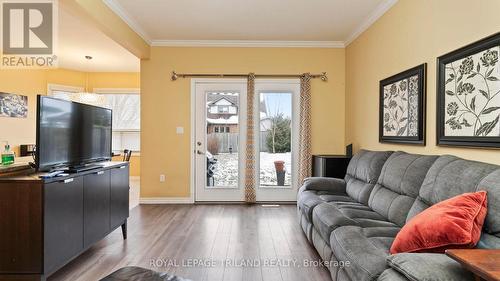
166 200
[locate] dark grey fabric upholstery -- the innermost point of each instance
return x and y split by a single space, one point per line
399 184
305 224
324 250
332 185
342 275
329 216
363 172
451 176
309 199
428 267
488 241
359 225
365 248
134 273
392 275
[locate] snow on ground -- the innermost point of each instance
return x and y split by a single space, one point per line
226 169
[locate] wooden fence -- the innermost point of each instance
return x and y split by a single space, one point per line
229 142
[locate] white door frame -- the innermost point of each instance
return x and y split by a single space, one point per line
218 194
263 194
278 194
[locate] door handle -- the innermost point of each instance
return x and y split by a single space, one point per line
68 180
199 152
99 173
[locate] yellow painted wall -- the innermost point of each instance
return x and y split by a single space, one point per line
33 82
135 164
114 80
166 104
411 33
97 13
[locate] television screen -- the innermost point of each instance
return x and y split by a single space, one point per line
70 133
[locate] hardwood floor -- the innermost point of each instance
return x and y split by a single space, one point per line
175 235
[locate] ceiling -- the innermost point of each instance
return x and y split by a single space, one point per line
168 22
78 39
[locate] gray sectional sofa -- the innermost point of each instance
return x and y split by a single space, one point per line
355 220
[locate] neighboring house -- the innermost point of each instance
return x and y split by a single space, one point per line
222 113
223 110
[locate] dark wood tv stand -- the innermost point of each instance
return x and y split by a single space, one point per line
45 223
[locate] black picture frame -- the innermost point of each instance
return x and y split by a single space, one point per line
419 139
441 107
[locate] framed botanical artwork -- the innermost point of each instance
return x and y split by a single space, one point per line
402 107
468 95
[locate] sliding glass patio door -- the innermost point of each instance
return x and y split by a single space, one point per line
220 118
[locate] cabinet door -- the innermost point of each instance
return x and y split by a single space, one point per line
63 224
96 191
119 195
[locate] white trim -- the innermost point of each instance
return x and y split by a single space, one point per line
218 194
248 43
63 88
134 91
371 19
192 175
380 10
120 12
278 193
166 200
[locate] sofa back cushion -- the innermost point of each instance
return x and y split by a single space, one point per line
451 176
363 172
399 184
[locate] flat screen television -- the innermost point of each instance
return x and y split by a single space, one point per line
71 134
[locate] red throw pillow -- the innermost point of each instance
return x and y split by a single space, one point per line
450 224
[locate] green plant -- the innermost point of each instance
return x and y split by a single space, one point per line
279 137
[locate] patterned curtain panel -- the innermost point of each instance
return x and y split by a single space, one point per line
305 128
250 148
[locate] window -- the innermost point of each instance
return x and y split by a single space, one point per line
223 109
126 113
275 139
62 91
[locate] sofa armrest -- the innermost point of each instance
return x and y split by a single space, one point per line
428 267
334 185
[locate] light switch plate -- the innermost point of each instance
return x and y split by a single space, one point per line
162 178
180 130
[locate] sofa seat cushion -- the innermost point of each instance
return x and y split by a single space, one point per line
391 275
329 216
309 199
366 249
428 267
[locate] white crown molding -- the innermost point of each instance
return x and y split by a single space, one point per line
364 25
119 11
248 43
166 200
371 19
